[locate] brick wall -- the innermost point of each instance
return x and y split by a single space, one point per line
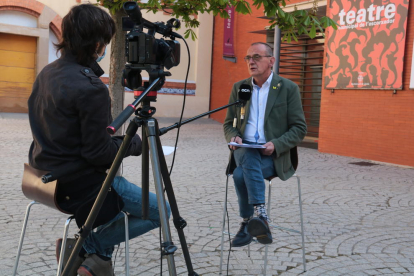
31 7
372 124
226 73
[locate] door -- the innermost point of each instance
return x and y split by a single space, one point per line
17 71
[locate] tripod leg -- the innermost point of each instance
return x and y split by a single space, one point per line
179 222
145 175
87 227
169 248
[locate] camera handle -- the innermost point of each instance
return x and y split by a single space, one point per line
130 109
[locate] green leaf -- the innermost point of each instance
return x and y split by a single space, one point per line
295 38
332 23
312 32
271 11
243 7
307 20
301 29
290 19
280 12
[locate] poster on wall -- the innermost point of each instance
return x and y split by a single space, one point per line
367 50
228 43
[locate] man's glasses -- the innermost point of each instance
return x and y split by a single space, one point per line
254 57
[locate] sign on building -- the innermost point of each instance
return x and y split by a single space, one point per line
367 50
228 40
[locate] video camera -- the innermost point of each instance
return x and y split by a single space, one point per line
145 52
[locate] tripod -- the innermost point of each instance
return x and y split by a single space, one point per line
151 144
151 147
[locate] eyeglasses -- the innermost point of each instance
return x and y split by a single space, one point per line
254 57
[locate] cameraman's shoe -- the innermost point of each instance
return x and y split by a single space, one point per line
95 266
259 228
70 244
242 237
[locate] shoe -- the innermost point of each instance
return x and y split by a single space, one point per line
259 228
95 266
70 244
242 237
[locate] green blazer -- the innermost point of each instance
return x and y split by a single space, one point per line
284 124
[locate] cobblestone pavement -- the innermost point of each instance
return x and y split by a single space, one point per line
358 219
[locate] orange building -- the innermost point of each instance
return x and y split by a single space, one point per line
375 122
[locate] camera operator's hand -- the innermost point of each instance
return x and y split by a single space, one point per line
237 140
136 146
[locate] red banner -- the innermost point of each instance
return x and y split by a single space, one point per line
367 50
228 46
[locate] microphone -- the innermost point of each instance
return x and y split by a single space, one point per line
245 92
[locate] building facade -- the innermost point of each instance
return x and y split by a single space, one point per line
344 115
28 29
375 121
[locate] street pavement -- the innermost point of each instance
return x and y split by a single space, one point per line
358 219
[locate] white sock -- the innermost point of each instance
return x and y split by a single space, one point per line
260 210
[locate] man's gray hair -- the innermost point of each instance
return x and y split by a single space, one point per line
269 50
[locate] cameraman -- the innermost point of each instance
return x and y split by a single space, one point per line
69 110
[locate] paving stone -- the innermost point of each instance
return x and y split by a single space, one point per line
358 220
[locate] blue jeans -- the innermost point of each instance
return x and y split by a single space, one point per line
252 169
103 240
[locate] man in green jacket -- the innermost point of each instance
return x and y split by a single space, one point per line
273 118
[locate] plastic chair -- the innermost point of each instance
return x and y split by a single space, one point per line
294 159
33 188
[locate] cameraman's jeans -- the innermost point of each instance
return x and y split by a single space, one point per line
252 169
103 240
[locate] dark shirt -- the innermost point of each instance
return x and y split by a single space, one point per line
69 110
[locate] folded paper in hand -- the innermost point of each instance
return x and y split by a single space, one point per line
246 145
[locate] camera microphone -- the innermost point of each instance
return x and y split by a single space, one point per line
245 92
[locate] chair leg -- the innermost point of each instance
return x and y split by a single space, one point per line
302 230
126 244
62 249
223 224
19 250
269 200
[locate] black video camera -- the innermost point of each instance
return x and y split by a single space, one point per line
145 52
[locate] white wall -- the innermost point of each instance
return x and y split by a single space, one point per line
18 19
52 51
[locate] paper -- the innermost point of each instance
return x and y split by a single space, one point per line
168 150
246 145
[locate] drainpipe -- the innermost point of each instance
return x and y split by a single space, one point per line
276 49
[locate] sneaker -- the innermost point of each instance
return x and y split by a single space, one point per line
259 228
70 244
95 266
242 237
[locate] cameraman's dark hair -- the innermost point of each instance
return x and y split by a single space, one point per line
84 27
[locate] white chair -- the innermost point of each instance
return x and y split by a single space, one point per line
41 193
301 232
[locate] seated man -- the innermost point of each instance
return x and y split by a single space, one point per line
69 110
274 119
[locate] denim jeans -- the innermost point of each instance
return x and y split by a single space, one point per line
252 169
103 240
